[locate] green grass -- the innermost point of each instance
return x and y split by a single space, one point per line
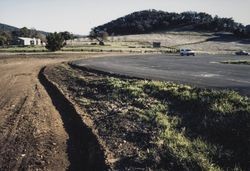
216 123
24 49
197 129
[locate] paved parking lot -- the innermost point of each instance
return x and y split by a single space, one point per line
201 71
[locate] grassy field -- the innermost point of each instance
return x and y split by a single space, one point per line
86 46
161 125
16 49
202 42
132 47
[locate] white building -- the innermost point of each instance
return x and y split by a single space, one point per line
25 41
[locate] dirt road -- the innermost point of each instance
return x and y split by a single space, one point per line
32 134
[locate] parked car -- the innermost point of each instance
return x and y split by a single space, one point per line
241 52
187 52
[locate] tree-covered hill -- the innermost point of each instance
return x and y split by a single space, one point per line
152 21
7 28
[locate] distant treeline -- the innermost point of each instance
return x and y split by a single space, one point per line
152 20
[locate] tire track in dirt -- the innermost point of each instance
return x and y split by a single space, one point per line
83 148
31 132
8 86
20 148
11 122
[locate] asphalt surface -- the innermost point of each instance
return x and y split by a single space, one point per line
200 71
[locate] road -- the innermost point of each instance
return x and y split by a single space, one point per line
201 70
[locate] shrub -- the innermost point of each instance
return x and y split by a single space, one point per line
55 41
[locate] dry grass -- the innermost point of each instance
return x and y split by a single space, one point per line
193 40
220 43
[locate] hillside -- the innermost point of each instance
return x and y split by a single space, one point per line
152 21
203 42
8 28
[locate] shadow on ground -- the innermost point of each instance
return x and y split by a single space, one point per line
225 37
84 151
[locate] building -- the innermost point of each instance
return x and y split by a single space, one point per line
25 41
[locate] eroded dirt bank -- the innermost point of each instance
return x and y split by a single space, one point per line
83 148
153 125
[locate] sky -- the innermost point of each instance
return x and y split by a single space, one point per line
79 16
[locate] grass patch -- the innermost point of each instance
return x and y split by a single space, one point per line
178 127
28 49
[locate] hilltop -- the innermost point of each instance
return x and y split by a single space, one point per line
7 28
149 21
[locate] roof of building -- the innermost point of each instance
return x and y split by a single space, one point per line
27 38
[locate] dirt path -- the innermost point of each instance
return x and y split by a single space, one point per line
32 133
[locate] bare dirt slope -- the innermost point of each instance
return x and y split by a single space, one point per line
32 133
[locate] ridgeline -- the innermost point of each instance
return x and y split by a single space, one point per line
149 21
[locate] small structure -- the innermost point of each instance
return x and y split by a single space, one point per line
25 41
156 44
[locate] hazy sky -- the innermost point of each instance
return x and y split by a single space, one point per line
79 16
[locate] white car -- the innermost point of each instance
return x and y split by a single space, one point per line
187 52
